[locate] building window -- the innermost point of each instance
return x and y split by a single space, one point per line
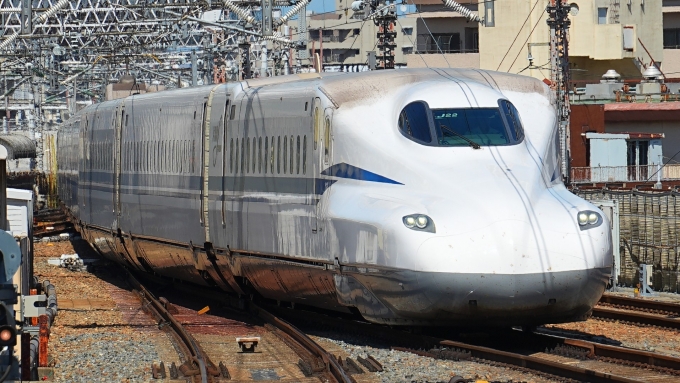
472 40
408 31
671 38
439 43
602 15
407 50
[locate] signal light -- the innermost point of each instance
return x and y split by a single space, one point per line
8 335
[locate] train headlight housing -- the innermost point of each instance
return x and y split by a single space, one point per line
588 219
419 222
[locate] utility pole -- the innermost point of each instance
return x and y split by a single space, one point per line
558 21
385 19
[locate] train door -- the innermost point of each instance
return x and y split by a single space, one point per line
323 139
118 138
317 120
217 172
206 162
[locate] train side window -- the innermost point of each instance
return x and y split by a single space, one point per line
236 157
243 151
297 156
292 155
259 154
126 119
278 154
231 155
414 122
266 154
271 156
248 155
327 141
254 154
232 114
304 155
285 154
513 120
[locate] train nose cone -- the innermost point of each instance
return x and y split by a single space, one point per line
509 274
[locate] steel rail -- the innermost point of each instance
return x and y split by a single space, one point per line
537 364
600 350
640 303
157 309
636 317
331 364
529 362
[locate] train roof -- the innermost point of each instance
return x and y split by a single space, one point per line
354 87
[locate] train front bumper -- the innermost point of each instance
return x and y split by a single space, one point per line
460 299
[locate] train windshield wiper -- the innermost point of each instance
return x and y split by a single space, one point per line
469 141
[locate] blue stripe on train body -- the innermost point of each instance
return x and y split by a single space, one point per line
344 170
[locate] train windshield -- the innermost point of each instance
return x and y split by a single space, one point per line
462 126
466 127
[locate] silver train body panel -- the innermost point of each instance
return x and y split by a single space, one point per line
297 186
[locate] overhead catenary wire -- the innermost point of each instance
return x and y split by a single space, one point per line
528 37
431 35
517 35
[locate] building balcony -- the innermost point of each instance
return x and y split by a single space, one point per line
638 173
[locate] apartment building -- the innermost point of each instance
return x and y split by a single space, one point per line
625 35
343 39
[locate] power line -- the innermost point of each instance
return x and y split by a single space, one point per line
516 36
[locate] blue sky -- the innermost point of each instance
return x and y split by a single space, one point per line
320 6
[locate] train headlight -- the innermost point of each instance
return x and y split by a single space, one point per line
588 219
419 222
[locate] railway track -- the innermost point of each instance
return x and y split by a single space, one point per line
638 311
315 362
549 352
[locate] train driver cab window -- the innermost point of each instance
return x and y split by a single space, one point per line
463 127
414 122
514 122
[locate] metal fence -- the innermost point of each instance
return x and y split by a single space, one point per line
639 173
649 234
428 43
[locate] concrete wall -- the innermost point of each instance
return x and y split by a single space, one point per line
591 44
451 60
671 63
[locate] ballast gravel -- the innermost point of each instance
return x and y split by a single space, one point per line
113 357
406 367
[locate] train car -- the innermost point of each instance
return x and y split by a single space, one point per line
410 196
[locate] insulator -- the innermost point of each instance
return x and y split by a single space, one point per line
278 38
462 10
240 12
296 8
50 12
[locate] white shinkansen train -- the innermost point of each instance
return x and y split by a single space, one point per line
410 196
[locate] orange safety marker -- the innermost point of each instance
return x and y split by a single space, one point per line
43 337
204 310
34 321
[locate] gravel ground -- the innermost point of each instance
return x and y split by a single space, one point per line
96 345
405 367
